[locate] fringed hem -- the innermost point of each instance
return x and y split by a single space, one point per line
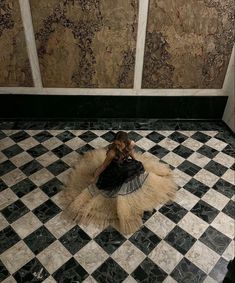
124 212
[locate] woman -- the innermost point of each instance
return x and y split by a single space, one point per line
116 186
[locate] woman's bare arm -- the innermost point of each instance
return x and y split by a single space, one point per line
131 147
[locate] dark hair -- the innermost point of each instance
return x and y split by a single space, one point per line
120 136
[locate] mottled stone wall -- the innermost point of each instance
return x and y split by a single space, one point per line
86 43
188 43
14 63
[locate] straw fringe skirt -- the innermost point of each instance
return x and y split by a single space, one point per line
88 205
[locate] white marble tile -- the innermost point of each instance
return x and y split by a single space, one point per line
128 256
180 177
21 159
192 144
47 158
10 132
129 279
89 279
75 143
215 199
202 256
187 133
33 132
165 256
13 177
186 199
56 132
229 176
224 159
224 224
16 256
173 159
63 177
169 279
6 142
71 158
59 225
199 159
49 279
28 143
26 224
9 279
2 157
52 143
145 143
208 279
210 133
91 256
216 144
206 177
3 222
91 230
229 253
193 225
41 177
34 198
7 197
98 142
160 224
168 144
165 133
54 256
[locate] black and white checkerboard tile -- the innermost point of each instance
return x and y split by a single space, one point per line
189 240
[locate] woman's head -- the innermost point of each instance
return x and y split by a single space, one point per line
121 139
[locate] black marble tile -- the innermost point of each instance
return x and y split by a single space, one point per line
189 168
158 151
197 188
229 209
84 149
14 211
62 150
65 136
3 186
230 150
88 136
201 137
2 135
37 150
20 136
42 136
226 136
219 270
46 211
109 271
4 273
109 136
71 271
180 240
183 151
31 167
23 187
205 211
39 240
155 137
145 240
148 214
6 167
110 239
8 238
33 271
215 240
58 167
52 187
173 211
178 137
75 239
12 150
216 168
233 166
224 188
187 272
139 149
134 136
208 151
148 271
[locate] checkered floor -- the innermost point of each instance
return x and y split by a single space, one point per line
189 240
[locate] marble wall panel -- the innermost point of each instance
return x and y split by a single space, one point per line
188 43
15 69
86 43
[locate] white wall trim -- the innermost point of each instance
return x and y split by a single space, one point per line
140 43
30 42
111 92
